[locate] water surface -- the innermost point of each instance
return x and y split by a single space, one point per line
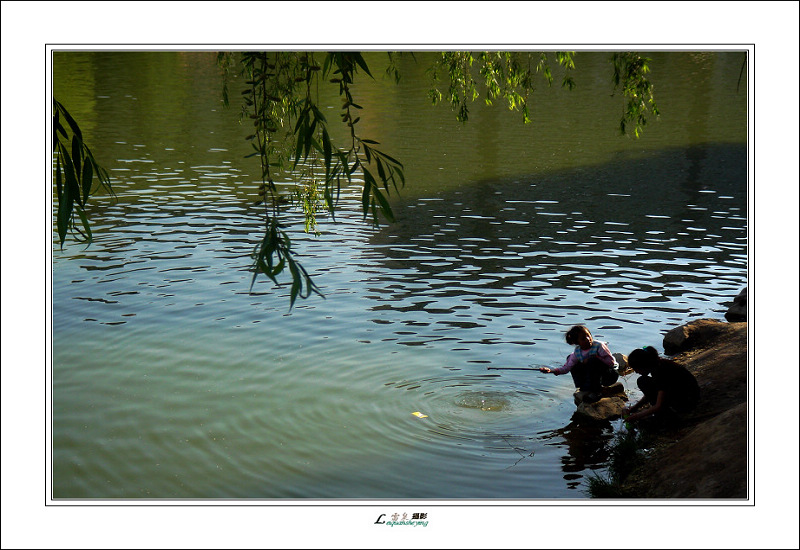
171 380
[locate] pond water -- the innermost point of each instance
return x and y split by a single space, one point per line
170 380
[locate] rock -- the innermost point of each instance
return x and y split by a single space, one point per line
614 389
608 407
717 465
737 312
622 362
694 334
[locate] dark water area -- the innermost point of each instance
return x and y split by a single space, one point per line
624 238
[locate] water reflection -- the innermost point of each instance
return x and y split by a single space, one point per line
586 445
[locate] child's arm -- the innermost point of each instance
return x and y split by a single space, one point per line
605 355
649 410
556 370
562 369
630 409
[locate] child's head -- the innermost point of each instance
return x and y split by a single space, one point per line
579 335
643 360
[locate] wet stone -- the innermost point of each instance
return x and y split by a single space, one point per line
608 407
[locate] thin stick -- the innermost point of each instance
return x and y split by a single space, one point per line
511 368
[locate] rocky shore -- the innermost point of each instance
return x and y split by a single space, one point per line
705 457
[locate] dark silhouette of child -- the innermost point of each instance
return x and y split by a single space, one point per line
668 388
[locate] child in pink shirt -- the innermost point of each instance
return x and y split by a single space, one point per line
591 364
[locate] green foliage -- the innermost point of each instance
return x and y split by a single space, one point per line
603 487
630 73
511 76
625 454
274 254
291 133
76 174
508 76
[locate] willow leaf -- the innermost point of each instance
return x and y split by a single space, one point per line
86 181
86 226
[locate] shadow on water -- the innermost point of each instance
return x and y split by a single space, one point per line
643 225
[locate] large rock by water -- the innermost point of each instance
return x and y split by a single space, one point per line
609 406
695 334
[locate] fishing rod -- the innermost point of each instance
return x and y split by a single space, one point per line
513 368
